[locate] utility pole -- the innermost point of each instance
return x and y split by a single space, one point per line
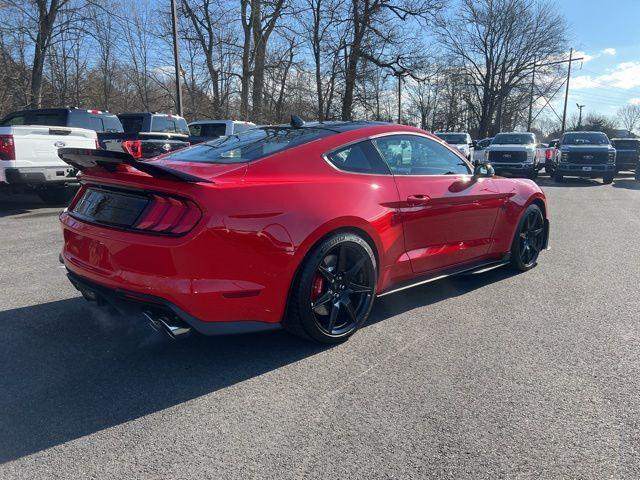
176 57
399 99
533 82
580 116
566 93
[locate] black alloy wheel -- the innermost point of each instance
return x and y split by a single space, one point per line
529 239
335 290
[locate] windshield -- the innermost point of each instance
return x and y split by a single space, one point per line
453 138
626 144
249 145
513 139
590 138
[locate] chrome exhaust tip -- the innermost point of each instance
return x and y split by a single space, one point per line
167 323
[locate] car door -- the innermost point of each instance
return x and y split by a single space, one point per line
448 215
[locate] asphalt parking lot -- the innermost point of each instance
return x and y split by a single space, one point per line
500 375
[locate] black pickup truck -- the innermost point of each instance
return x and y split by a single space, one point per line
627 153
143 135
586 155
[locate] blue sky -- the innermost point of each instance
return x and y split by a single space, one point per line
607 34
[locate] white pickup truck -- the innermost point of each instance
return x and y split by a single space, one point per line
29 159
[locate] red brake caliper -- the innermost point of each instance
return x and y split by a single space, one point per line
317 287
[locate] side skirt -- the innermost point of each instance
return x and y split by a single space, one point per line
469 268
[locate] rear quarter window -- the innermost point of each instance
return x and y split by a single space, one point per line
132 123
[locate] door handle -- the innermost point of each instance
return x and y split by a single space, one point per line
415 200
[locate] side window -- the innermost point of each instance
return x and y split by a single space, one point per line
416 155
360 157
195 130
17 120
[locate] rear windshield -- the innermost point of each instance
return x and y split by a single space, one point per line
249 145
626 144
213 130
453 138
52 119
513 139
590 138
132 123
167 124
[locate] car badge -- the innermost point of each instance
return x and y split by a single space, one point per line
59 144
166 147
506 155
588 157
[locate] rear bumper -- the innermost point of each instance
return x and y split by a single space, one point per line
39 175
577 170
128 302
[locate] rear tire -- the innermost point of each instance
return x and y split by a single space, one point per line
528 240
57 195
333 292
558 178
607 180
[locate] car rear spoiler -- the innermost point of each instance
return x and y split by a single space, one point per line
85 158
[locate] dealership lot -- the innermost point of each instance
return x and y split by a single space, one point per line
495 375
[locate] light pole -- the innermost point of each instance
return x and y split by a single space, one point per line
176 57
580 115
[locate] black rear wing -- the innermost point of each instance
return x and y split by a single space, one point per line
86 158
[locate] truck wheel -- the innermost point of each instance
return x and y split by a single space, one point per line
607 180
558 178
57 195
533 175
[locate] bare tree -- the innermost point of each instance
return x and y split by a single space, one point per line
496 44
629 116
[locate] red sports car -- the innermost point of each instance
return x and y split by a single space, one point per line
298 226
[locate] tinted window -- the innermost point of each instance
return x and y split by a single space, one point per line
215 130
15 120
51 119
111 124
132 123
587 138
360 157
163 124
514 139
250 145
181 126
454 138
415 155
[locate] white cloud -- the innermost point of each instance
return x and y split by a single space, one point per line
585 56
634 101
609 51
625 75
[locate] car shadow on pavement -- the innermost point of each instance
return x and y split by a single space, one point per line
569 182
24 203
69 369
629 183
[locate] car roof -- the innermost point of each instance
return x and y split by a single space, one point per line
212 120
626 138
149 114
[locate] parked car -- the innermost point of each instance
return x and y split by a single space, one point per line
514 153
460 141
29 159
586 155
147 135
478 151
627 153
550 156
207 130
298 226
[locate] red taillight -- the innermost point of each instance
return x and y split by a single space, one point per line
7 148
133 148
169 215
547 154
98 147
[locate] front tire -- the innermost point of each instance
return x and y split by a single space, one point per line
528 240
558 178
607 180
333 293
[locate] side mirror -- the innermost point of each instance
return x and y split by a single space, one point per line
483 170
473 144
